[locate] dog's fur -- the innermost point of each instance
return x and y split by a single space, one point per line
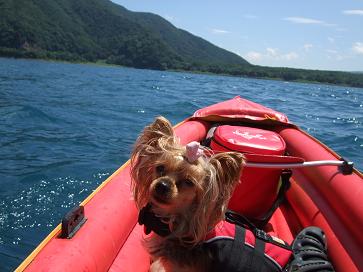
191 197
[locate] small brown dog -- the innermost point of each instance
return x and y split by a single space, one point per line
186 190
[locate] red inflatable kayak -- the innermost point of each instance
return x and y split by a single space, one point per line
325 191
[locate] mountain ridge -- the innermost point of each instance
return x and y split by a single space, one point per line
102 31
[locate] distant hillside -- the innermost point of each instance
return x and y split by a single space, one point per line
90 30
99 30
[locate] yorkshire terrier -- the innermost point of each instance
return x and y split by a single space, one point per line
182 193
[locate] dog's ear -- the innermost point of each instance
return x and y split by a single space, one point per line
228 166
150 143
224 175
161 127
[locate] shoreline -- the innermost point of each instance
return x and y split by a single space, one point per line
105 64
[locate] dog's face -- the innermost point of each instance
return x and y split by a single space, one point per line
176 184
189 195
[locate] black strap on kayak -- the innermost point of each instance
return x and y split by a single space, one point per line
240 220
252 223
255 225
285 185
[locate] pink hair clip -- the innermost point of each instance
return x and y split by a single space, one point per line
193 151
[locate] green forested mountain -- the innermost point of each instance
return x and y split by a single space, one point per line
99 30
89 30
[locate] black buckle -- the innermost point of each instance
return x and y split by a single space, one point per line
260 234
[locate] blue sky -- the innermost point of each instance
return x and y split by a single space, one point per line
310 34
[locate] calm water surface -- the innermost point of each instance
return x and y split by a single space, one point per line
64 128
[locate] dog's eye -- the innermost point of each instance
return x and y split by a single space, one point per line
160 169
188 182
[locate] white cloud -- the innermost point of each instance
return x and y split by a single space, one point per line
302 20
331 40
253 56
340 57
331 51
250 16
274 54
336 55
290 56
220 31
353 12
308 46
307 21
358 48
169 18
270 54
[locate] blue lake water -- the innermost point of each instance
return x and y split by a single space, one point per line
64 128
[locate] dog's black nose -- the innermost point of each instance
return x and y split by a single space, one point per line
162 187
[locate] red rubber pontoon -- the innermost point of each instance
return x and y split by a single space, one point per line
329 196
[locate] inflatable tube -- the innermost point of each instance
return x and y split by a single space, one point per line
110 240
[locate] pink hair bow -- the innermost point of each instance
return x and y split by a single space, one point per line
193 151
